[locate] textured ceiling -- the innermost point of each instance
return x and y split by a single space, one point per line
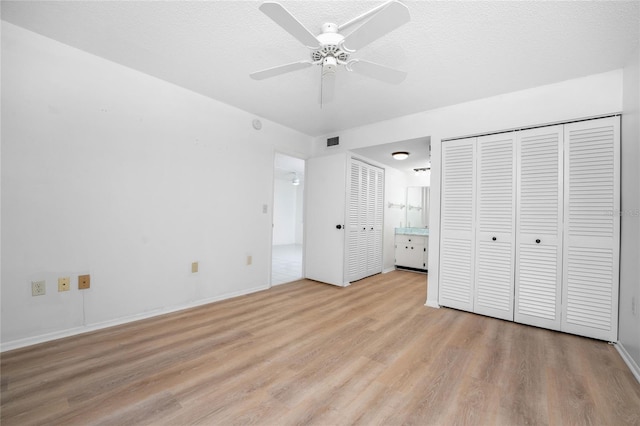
453 51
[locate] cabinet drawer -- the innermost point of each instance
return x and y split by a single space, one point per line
410 240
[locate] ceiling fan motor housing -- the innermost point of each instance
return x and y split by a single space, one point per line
330 41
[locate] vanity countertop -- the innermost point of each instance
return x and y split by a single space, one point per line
412 231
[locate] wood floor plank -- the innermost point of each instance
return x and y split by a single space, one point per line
387 403
524 400
311 353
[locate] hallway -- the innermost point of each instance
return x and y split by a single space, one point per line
286 263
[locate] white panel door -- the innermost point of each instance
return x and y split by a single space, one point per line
592 228
457 225
538 274
495 232
325 183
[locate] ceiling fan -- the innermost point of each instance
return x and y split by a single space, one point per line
331 49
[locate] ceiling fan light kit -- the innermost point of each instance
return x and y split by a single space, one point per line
331 49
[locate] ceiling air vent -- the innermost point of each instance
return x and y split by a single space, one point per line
333 141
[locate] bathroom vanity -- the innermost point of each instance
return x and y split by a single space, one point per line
412 248
412 241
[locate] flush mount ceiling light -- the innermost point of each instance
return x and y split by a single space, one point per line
400 155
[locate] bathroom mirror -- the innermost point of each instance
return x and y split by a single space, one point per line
417 207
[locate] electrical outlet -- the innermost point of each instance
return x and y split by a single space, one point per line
38 288
84 282
249 259
64 284
194 267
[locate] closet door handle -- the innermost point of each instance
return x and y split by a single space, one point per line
538 241
338 226
494 238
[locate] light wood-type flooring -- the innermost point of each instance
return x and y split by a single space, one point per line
309 353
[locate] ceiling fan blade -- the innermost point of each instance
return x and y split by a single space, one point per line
327 87
377 71
280 69
381 23
286 20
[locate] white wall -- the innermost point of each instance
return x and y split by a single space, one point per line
419 180
583 97
395 192
285 204
629 335
299 219
112 172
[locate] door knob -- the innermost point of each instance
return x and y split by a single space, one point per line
494 238
338 226
537 241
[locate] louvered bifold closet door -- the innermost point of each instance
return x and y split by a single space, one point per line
457 224
592 228
539 227
356 213
375 219
495 232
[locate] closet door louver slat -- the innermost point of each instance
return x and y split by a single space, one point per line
538 266
364 221
457 224
363 243
496 185
377 222
537 281
591 230
354 213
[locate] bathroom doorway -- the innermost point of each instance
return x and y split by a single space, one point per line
288 226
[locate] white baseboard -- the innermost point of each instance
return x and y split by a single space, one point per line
386 271
432 304
21 343
633 366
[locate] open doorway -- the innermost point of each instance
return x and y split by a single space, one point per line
288 202
406 208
